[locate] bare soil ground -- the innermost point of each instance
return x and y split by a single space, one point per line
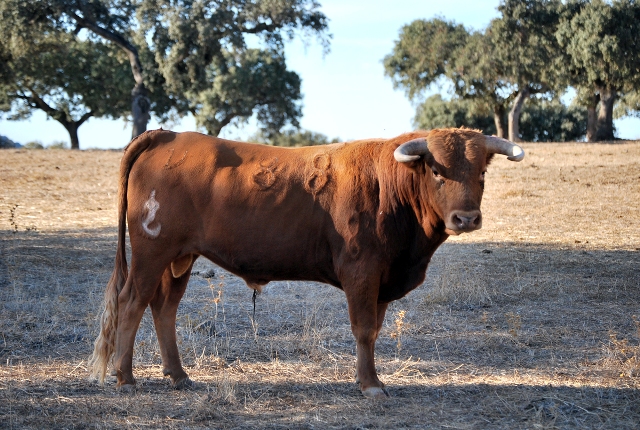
532 322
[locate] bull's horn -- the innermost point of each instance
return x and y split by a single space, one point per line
411 150
498 145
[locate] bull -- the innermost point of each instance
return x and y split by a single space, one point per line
364 216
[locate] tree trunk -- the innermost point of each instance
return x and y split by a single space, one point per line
605 114
140 107
514 114
499 120
592 125
72 128
140 104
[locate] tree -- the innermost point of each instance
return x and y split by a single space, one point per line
252 80
602 41
551 121
526 47
438 113
70 80
424 53
177 49
431 52
541 121
290 138
495 68
478 80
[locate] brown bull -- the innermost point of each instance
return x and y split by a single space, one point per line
364 216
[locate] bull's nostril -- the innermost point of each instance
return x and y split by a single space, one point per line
462 222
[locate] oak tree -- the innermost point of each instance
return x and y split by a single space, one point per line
179 50
69 79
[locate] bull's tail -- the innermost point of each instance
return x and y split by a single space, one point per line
104 345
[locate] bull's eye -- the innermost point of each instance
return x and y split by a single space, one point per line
438 177
482 176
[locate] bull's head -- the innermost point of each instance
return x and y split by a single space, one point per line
454 163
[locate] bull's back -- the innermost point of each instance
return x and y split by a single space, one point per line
256 210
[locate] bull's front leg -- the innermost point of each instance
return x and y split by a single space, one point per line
366 317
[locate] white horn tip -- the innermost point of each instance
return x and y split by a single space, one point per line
517 154
404 158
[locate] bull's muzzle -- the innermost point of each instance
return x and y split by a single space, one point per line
463 221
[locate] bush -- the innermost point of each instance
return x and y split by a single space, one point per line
34 145
5 142
438 113
294 138
58 144
541 121
551 121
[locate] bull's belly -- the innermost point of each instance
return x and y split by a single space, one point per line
262 266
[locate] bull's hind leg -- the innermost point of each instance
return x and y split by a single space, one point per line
164 307
140 288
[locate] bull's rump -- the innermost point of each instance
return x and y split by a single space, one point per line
258 211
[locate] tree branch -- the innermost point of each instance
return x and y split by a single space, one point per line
83 118
42 105
259 28
132 51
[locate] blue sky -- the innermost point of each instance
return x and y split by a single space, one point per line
346 94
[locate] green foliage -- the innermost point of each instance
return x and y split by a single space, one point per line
251 81
535 47
68 78
525 43
197 61
628 105
438 113
34 145
291 137
551 121
190 57
602 41
543 121
58 144
425 51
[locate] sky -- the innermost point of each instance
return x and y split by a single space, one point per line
345 92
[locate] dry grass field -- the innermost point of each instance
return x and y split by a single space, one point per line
532 322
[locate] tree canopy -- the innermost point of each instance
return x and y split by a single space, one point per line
602 44
221 61
69 79
293 137
535 47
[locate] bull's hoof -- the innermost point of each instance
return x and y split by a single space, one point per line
126 388
378 393
184 384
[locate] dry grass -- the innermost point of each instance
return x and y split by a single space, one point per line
529 323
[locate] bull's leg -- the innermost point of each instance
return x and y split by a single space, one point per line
134 298
381 311
163 308
365 325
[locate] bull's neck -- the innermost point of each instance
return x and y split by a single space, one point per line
405 198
